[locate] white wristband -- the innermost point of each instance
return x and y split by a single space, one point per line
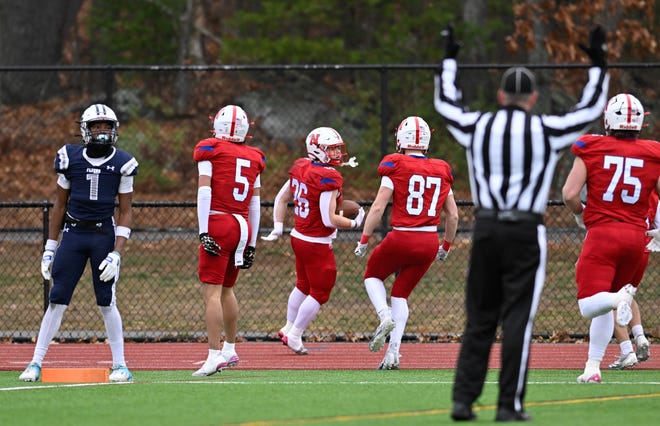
353 224
123 231
51 245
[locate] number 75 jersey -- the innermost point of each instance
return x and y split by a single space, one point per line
421 186
621 174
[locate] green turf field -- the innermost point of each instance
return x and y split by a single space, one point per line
318 397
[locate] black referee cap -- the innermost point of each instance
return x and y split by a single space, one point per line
518 81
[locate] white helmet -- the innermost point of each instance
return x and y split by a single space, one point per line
320 140
231 124
624 112
413 133
99 112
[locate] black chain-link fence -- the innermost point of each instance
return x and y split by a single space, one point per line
160 296
163 112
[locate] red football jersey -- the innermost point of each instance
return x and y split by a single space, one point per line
621 174
421 186
235 169
307 181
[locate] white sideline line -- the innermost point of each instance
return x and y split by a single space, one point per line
269 383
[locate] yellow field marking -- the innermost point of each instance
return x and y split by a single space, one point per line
343 419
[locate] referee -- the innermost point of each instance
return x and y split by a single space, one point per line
511 156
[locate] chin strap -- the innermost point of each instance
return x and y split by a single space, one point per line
351 162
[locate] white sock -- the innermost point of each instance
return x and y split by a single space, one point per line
295 299
600 334
50 324
287 327
113 327
214 353
229 347
598 304
400 317
307 312
378 295
626 347
296 332
637 330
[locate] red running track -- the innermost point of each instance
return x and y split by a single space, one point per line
275 356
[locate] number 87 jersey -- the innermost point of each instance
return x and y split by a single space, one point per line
94 182
420 187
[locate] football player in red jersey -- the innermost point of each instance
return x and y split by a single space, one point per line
620 172
228 212
420 188
315 187
642 352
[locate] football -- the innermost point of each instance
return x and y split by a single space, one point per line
348 208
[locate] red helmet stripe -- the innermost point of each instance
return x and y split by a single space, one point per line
233 121
416 130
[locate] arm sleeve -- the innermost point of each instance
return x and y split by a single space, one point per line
203 208
324 205
276 203
254 216
125 185
205 168
63 181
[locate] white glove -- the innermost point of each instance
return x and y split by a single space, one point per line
46 261
278 227
579 220
654 244
359 218
442 254
110 266
361 249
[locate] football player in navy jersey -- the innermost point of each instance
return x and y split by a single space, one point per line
91 176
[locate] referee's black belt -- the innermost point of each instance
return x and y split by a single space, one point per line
509 215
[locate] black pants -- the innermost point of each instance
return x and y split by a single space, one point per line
507 272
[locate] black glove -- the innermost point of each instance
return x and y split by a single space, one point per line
597 49
209 244
451 46
248 257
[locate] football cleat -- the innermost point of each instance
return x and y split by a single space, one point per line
294 344
624 361
212 365
120 374
643 349
390 362
384 329
591 376
32 373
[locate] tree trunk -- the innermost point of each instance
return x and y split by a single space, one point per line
31 33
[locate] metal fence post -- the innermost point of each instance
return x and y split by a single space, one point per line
46 283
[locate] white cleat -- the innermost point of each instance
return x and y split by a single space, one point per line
295 344
643 349
624 361
212 366
32 373
390 362
120 374
590 376
384 329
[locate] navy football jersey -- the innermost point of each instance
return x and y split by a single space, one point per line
94 188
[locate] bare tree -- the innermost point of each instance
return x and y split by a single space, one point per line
31 33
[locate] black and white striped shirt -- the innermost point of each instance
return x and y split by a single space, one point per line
512 154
